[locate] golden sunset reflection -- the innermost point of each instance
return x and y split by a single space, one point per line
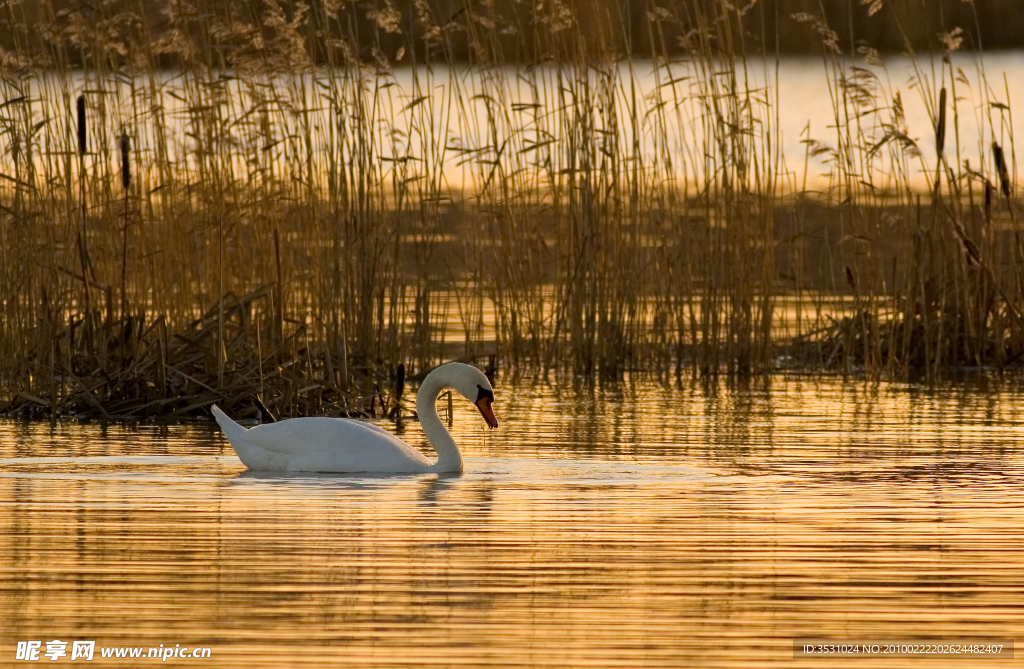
637 524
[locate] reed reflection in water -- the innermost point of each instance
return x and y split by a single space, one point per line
635 524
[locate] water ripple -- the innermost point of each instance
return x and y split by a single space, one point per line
635 525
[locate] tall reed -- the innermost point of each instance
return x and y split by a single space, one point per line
324 190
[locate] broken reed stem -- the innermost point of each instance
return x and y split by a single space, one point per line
126 182
83 236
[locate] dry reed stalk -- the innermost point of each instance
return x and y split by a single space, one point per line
599 225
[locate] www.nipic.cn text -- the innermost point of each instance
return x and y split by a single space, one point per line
34 651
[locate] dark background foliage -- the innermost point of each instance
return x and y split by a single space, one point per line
483 30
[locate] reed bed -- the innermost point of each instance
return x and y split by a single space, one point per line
404 185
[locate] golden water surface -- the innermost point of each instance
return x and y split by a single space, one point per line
628 525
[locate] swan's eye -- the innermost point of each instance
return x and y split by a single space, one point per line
484 393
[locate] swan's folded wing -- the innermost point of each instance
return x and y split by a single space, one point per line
335 445
309 435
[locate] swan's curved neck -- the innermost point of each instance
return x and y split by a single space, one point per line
449 459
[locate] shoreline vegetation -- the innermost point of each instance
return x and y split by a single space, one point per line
266 226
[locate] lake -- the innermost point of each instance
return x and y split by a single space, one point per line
638 524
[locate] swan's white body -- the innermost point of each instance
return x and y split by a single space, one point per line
343 445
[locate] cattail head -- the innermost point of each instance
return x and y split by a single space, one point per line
399 382
1004 177
940 124
126 167
82 146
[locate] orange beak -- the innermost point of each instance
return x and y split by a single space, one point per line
484 404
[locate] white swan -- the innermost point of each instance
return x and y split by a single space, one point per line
342 445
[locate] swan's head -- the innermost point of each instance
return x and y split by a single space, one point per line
471 383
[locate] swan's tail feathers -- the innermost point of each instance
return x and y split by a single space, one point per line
232 430
251 455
